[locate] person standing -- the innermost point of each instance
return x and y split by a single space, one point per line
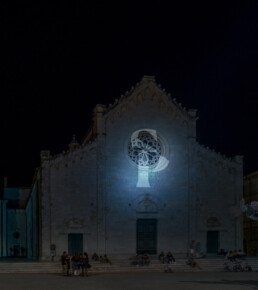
81 265
68 263
85 264
76 263
63 263
192 248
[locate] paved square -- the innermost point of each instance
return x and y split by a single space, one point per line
131 281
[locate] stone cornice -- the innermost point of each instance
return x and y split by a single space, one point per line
71 156
207 153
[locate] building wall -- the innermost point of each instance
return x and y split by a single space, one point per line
168 188
251 226
69 199
196 185
16 222
218 193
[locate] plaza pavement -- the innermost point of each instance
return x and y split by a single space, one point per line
132 281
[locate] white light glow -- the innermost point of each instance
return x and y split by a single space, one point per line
145 153
143 178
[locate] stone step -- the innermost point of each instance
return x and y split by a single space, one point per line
120 266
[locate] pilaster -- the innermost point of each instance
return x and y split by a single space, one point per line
101 161
4 237
45 206
238 196
1 234
191 187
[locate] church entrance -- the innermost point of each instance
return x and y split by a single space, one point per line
75 244
146 236
212 242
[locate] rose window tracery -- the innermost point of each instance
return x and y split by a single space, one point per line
144 149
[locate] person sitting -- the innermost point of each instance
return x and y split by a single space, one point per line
192 247
230 256
136 261
193 263
145 259
95 257
222 252
170 258
234 253
240 254
106 260
162 257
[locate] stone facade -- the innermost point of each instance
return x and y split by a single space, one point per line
98 190
251 226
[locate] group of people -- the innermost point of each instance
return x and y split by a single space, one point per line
102 259
141 260
76 266
233 255
168 258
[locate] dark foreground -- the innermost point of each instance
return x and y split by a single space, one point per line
128 281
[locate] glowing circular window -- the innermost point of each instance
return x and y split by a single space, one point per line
144 149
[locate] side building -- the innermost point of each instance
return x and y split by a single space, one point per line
19 232
251 226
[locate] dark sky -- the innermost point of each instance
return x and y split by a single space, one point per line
60 59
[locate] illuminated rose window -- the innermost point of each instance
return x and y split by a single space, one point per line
144 150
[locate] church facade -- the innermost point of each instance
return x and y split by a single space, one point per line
139 182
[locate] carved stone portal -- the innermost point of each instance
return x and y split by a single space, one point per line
213 222
147 205
74 223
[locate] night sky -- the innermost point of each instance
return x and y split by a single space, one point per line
60 59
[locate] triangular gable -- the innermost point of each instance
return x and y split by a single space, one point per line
148 89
